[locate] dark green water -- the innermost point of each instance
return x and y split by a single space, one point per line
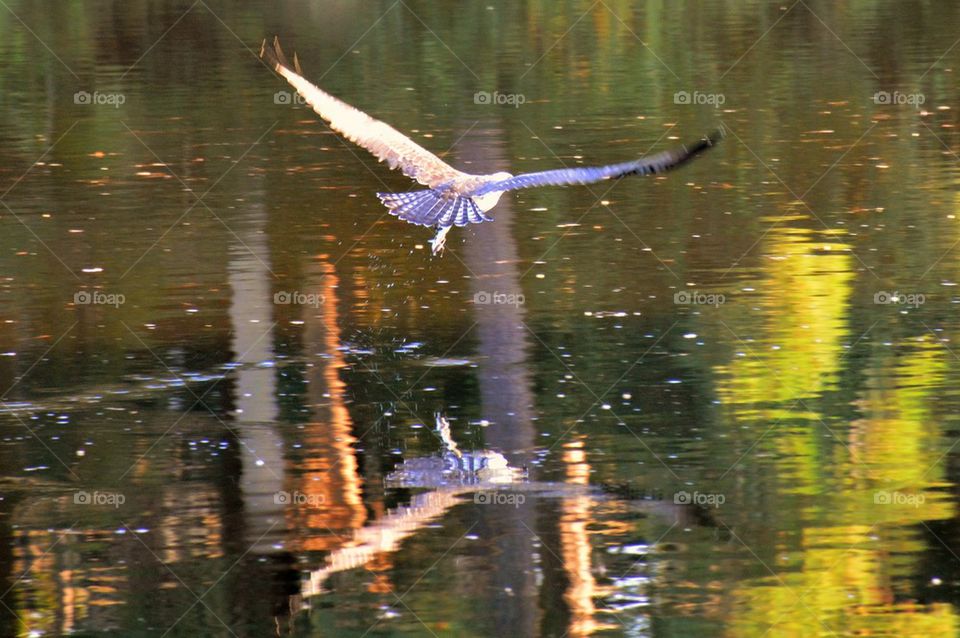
160 201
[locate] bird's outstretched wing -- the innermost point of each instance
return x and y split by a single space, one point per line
384 141
654 164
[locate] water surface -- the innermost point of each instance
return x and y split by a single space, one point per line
737 381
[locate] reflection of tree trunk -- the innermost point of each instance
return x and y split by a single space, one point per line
260 454
328 474
575 548
261 448
490 254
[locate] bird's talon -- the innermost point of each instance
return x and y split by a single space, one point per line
440 240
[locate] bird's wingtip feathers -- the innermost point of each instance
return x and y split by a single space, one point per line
279 52
275 56
707 141
716 135
267 53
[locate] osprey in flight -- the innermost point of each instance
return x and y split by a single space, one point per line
453 198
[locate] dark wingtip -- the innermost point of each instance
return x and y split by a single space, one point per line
708 141
718 134
275 56
267 53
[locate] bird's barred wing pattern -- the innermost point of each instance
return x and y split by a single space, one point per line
383 141
431 208
652 165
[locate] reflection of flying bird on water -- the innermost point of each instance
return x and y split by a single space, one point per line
454 198
455 467
442 480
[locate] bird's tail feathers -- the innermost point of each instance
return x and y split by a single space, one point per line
431 208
